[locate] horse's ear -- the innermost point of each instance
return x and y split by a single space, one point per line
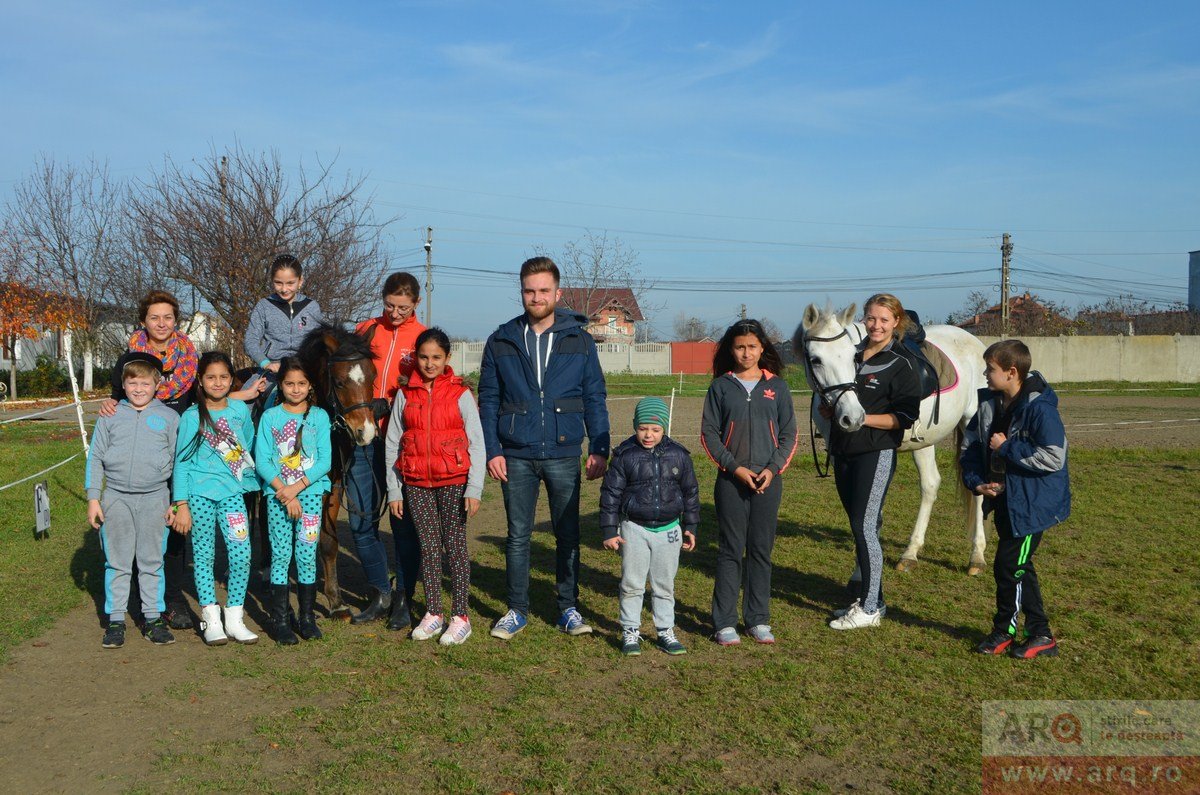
370 335
331 343
811 314
846 317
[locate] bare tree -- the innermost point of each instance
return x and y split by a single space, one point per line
68 218
693 329
599 266
214 228
771 328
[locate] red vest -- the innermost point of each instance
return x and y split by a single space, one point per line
434 448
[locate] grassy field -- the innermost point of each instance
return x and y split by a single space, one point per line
896 708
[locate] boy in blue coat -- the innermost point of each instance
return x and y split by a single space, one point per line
1015 455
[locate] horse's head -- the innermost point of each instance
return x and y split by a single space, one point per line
827 339
342 365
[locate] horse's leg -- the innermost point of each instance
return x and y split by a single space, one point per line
926 461
973 509
329 554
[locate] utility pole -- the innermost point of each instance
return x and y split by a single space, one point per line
743 311
429 276
1005 259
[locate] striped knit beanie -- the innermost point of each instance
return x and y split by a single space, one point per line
651 411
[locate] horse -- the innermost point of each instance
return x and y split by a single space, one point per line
829 340
342 369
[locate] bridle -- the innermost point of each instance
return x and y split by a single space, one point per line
830 396
338 422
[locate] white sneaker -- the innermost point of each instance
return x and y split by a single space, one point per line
429 627
458 631
235 625
856 618
210 625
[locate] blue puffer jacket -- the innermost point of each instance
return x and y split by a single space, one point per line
1036 484
650 487
522 421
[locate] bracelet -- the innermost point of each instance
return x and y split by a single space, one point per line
263 364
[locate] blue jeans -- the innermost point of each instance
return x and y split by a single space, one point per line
365 487
561 476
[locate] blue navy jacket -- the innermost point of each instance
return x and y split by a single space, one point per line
650 487
522 421
1036 484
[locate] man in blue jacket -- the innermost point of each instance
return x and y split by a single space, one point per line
541 391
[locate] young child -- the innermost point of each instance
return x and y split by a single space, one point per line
649 510
436 443
293 455
213 470
1015 455
749 431
132 452
279 322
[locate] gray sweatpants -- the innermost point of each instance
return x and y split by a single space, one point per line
134 529
647 553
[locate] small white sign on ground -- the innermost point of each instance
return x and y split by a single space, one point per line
41 509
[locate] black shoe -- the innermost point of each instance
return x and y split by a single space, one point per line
178 616
1037 646
157 632
400 617
307 622
281 626
376 609
114 636
996 643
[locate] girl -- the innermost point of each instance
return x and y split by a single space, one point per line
749 431
435 442
864 460
293 452
280 321
393 339
213 470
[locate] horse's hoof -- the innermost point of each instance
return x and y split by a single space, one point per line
906 564
341 614
974 570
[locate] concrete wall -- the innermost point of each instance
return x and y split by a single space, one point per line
650 357
1148 358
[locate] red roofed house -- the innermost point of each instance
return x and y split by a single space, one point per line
1025 315
612 312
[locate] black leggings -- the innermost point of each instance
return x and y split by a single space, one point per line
862 483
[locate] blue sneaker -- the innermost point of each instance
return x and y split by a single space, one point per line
572 623
508 625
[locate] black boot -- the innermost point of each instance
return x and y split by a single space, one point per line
376 609
307 621
178 616
400 617
281 627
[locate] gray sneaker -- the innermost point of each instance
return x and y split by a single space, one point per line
631 642
727 636
761 633
669 643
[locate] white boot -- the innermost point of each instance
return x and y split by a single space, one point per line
235 625
210 625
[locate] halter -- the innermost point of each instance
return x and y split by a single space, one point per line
338 423
825 393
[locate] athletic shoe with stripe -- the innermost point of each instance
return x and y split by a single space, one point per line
1037 646
727 636
996 643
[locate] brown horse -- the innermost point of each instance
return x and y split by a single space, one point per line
343 374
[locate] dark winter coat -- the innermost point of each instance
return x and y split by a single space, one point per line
650 487
1037 487
755 429
521 419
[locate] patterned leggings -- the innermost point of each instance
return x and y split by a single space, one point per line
230 513
441 522
301 534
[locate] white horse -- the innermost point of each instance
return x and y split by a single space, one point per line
827 340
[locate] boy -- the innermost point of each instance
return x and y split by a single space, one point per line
133 452
1015 455
649 495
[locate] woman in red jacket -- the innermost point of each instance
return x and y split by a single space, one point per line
436 443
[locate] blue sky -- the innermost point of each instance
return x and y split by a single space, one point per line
830 149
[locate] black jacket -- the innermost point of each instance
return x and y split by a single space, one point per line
887 383
755 429
650 487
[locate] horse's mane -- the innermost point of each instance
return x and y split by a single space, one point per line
349 345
